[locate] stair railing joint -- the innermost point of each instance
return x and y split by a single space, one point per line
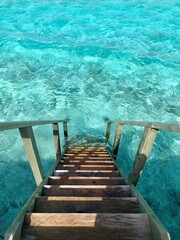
150 132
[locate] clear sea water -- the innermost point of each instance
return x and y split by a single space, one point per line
84 60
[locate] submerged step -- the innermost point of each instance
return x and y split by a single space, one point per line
78 180
82 226
87 190
100 173
86 205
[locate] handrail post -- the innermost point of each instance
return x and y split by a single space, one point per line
57 140
142 154
108 131
65 129
117 140
28 138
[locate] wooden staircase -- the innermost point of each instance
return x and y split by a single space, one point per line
86 199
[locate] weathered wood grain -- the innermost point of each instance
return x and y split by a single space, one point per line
23 124
77 180
30 146
173 127
78 226
87 190
100 173
86 154
87 148
86 205
142 154
86 162
106 158
86 151
86 167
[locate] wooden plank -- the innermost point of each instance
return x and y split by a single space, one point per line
86 158
23 124
86 167
86 155
87 148
27 136
87 226
100 173
57 140
86 205
98 158
77 180
86 162
173 127
142 154
86 151
117 140
87 190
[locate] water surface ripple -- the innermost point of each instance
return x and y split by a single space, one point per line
83 60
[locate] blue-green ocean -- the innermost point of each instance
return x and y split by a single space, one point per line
84 60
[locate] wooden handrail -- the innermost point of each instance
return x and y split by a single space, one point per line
27 135
19 124
148 138
173 127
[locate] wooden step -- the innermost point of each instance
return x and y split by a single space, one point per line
86 158
88 152
86 226
86 205
85 167
86 162
87 148
87 190
86 155
77 180
100 173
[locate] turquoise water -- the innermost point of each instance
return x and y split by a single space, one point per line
84 60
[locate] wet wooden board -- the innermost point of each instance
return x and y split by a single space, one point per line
86 199
78 226
78 180
86 154
86 167
86 205
86 162
100 173
87 190
86 158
